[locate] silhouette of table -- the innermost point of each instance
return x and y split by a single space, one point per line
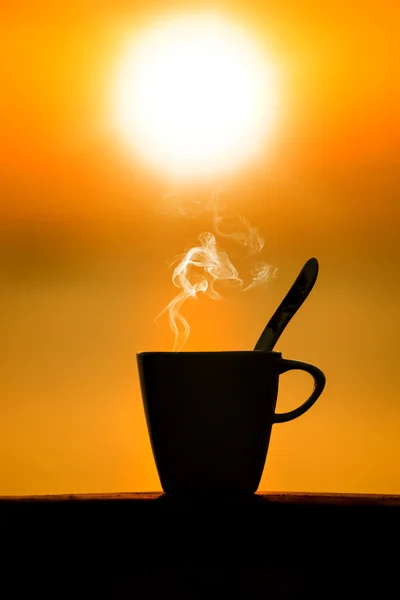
144 546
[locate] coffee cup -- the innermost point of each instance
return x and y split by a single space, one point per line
209 416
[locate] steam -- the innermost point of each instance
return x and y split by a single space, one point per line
235 227
204 264
261 273
215 266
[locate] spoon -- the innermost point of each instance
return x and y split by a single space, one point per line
289 306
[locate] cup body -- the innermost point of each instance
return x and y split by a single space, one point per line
209 417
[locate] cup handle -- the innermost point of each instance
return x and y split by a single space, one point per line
319 384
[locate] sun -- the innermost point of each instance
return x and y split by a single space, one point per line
195 95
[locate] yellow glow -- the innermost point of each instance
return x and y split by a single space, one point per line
195 95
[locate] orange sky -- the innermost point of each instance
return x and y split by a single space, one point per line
83 251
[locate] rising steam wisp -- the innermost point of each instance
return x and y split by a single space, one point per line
215 266
204 264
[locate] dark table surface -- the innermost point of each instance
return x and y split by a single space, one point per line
269 497
280 545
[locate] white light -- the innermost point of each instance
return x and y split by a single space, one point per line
195 96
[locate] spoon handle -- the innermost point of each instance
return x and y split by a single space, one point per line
289 306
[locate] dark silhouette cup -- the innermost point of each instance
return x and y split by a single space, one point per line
210 414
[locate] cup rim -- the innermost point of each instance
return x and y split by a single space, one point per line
208 352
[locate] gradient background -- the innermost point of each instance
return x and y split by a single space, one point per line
83 250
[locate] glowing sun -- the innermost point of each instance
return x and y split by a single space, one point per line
195 95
